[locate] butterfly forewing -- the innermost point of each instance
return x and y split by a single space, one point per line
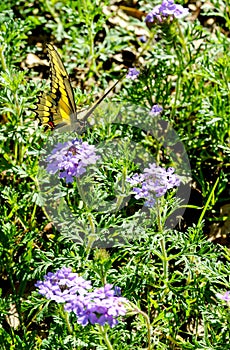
57 108
59 77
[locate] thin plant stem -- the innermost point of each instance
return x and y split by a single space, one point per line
177 89
182 41
36 182
158 210
92 235
164 259
208 201
2 58
146 46
105 337
81 193
148 328
121 197
136 310
163 255
65 316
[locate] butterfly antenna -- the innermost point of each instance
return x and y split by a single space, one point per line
101 99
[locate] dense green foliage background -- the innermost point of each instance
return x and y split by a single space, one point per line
172 275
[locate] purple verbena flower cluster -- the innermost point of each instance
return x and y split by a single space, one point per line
132 73
153 183
60 285
167 9
71 159
156 110
101 305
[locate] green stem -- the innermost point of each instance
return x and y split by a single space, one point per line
33 213
148 328
65 316
159 221
92 236
105 337
163 255
123 182
136 310
91 39
208 201
182 41
164 259
186 61
176 96
81 193
2 57
36 182
146 46
103 275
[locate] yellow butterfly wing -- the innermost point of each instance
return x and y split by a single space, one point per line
57 108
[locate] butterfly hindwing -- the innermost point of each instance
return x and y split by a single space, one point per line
57 108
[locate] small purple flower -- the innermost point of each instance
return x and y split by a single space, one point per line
71 159
150 202
153 183
167 9
156 110
225 296
59 286
117 291
135 179
132 73
142 192
154 14
143 39
150 17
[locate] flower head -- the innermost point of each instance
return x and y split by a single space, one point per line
153 183
156 110
101 306
59 286
167 9
71 159
132 73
